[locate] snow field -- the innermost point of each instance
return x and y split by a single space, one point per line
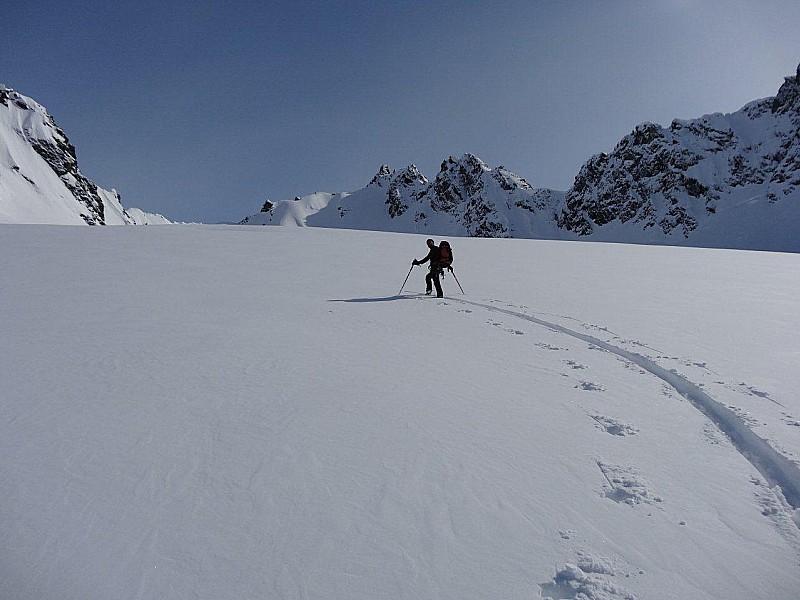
247 412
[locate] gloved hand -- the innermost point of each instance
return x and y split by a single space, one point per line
450 269
414 263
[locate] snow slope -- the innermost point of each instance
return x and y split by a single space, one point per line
40 181
239 412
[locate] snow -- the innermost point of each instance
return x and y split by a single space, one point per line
254 412
368 208
138 217
31 191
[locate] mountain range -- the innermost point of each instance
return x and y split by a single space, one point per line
722 180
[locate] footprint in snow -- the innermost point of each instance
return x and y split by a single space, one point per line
626 486
588 562
501 325
574 582
566 534
590 386
613 426
548 346
631 366
669 392
575 365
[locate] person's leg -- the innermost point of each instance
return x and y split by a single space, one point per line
437 283
428 284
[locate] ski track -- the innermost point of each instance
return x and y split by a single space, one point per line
777 469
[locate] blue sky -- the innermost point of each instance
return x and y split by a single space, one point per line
202 110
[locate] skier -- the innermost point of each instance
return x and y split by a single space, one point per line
432 278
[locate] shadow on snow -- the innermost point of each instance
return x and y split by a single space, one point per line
383 299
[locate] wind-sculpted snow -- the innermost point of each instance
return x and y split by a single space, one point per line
247 412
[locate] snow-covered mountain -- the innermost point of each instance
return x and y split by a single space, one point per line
467 197
723 180
40 181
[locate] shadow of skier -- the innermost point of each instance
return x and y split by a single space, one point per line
383 299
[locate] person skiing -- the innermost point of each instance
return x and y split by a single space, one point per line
432 278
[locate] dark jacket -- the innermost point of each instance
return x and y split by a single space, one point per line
433 256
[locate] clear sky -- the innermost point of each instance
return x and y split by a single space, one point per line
202 110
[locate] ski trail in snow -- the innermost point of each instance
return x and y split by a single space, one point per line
773 466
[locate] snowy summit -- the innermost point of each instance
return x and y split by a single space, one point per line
40 181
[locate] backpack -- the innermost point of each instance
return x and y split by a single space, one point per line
445 254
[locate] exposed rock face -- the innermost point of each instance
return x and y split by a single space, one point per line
788 98
53 189
672 179
404 187
643 181
62 159
460 189
786 158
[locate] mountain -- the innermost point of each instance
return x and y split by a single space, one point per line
40 181
723 180
466 198
731 179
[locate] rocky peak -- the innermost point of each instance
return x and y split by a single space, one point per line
788 98
383 176
461 189
405 186
643 134
468 163
410 176
9 96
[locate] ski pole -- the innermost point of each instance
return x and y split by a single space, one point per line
406 279
457 281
